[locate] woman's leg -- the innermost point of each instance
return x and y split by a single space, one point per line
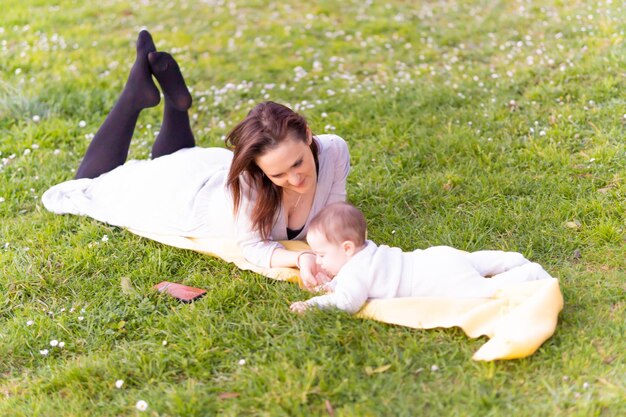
175 132
109 147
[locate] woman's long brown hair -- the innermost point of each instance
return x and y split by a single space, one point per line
266 126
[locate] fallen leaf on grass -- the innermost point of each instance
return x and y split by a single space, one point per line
573 225
127 286
371 371
606 382
609 359
227 395
329 408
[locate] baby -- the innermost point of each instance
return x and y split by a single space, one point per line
362 269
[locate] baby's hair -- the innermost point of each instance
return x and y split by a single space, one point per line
339 222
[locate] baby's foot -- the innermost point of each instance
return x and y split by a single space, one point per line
168 74
140 88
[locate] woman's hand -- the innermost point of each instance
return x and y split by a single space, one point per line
322 278
309 270
311 274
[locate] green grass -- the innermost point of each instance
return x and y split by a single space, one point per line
476 124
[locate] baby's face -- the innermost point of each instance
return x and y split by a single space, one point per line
330 256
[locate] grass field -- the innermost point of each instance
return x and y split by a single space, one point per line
476 124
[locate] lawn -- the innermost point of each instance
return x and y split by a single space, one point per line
475 124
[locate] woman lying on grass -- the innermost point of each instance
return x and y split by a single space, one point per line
360 269
277 177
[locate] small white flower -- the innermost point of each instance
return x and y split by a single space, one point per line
141 405
2 200
164 343
54 343
586 385
26 151
324 114
43 352
81 318
242 362
36 118
61 345
434 368
82 123
542 133
119 383
57 151
30 323
105 238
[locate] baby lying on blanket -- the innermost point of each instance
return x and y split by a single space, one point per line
362 269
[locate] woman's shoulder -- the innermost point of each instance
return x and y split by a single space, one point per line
331 144
330 139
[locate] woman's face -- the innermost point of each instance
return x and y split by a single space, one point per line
290 165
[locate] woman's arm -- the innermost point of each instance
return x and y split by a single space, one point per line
271 254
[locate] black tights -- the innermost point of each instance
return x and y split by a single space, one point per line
109 147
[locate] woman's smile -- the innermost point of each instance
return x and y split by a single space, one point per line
290 165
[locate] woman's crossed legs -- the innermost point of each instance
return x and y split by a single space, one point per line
109 147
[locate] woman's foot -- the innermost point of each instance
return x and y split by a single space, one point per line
140 90
167 73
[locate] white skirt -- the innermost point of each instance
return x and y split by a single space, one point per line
180 194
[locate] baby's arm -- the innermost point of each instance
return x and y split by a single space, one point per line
350 294
299 307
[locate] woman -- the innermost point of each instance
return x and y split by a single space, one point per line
267 189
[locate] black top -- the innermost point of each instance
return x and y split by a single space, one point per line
291 234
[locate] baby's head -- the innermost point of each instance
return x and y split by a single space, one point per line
335 234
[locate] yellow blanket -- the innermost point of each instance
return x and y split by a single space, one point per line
517 319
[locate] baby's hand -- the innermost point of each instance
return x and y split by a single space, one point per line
299 307
324 288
